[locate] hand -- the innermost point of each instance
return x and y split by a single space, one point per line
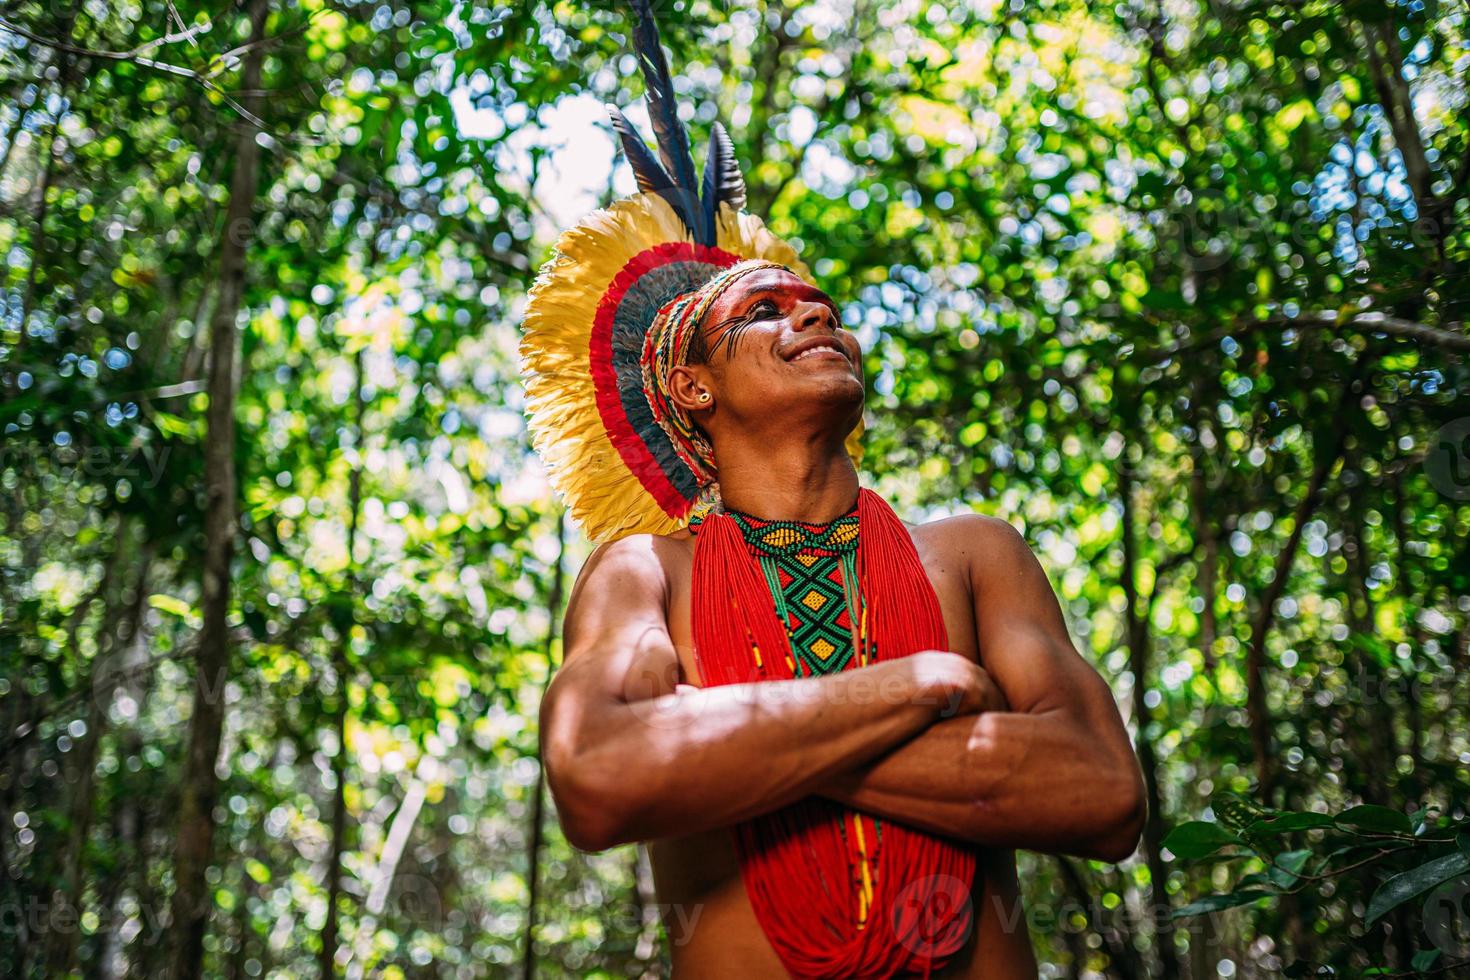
959 686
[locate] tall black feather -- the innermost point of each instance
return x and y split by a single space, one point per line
663 113
723 183
650 176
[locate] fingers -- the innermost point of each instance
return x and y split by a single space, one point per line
992 698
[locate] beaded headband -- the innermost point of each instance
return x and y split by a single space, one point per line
666 346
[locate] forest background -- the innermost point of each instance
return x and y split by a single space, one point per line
1178 288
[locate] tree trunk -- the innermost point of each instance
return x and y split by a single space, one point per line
645 903
1382 750
1385 62
126 828
538 790
342 668
119 626
1122 956
132 820
1139 642
1208 535
1255 666
189 910
1377 725
1075 940
1403 532
48 172
11 131
241 952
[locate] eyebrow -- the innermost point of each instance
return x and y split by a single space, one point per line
760 291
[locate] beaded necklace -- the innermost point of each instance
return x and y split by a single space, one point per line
811 571
837 892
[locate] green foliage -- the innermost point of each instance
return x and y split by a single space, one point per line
1177 289
1408 857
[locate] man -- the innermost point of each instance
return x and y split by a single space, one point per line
1037 758
831 729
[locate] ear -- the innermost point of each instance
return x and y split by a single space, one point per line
690 388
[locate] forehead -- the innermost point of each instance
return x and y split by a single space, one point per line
772 283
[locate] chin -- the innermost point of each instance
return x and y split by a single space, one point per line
846 388
819 396
840 396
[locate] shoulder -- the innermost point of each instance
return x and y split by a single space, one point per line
996 559
639 555
624 584
642 561
977 538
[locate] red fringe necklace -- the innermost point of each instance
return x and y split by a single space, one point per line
837 893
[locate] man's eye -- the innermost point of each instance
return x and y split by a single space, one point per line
763 309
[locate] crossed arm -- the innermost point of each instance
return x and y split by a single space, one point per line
1028 751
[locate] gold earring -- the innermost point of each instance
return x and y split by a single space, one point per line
704 396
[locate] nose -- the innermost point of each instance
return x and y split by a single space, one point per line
810 316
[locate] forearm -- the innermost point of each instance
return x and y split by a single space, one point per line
686 762
1006 779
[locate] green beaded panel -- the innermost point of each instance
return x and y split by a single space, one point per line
806 566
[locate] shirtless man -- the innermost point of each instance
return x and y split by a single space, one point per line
1008 740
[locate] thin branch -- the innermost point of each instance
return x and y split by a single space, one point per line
9 740
229 58
135 54
222 63
772 195
1257 710
179 20
1368 322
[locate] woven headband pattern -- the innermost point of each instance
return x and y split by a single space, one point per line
666 346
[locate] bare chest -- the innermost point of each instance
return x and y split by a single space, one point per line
947 574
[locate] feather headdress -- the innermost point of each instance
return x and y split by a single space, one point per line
602 289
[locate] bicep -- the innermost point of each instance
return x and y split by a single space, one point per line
615 635
618 662
1023 638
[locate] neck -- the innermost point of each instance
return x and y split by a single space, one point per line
808 480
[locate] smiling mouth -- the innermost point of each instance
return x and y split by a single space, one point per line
819 350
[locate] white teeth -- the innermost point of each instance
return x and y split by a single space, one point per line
814 350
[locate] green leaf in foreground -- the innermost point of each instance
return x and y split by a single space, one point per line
1238 812
1287 868
1199 838
1288 822
1415 882
1424 959
1214 903
1374 819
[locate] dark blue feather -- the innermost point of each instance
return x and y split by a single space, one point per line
722 181
663 113
646 170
